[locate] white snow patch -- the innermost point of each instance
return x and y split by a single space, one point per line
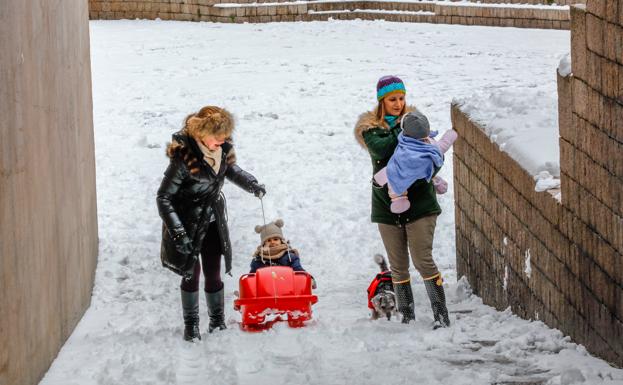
528 266
374 11
545 181
523 121
564 67
505 282
572 376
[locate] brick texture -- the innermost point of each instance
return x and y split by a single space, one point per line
208 10
575 284
575 246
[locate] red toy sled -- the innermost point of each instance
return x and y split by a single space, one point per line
271 293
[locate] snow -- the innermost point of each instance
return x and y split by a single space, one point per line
505 282
564 67
523 120
545 181
296 90
375 11
527 264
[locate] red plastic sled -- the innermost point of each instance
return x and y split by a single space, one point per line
271 293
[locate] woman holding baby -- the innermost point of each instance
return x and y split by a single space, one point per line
406 208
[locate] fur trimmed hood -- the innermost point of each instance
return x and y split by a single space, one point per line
184 146
368 121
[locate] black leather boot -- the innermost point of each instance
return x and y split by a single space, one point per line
190 309
216 310
404 295
437 296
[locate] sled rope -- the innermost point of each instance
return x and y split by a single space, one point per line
264 220
270 261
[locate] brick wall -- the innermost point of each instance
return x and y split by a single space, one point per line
209 10
576 245
534 2
48 219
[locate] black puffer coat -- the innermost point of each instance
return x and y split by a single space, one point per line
190 193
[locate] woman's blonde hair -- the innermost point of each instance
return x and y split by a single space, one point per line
209 120
380 111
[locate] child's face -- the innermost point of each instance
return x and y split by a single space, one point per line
272 242
394 103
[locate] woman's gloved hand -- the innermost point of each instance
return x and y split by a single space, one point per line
182 243
259 190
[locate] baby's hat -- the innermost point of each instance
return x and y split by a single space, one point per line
415 125
270 230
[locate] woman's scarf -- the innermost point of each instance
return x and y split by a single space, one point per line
213 158
413 159
391 120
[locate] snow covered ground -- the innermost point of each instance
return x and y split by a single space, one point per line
296 90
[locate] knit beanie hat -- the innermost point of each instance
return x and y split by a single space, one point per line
415 125
389 84
270 230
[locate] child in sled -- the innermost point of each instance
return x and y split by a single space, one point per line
274 250
417 156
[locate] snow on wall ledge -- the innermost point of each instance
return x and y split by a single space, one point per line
524 123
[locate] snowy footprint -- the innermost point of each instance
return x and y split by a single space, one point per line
204 363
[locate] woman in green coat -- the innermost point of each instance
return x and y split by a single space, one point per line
412 231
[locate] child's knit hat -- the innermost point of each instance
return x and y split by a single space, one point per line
389 84
270 230
415 125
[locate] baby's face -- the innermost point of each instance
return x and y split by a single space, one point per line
272 242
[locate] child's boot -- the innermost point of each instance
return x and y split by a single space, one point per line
404 295
381 177
400 203
216 310
190 311
437 296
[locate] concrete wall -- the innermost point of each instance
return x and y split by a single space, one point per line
48 221
575 245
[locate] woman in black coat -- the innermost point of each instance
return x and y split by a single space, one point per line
193 211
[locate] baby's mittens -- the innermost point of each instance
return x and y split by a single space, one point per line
441 186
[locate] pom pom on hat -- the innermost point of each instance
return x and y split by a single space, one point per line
270 230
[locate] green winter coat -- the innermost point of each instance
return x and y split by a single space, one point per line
381 140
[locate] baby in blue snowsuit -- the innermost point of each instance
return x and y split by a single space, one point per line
417 156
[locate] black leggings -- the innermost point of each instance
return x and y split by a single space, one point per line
211 262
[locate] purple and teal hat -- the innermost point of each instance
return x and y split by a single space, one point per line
389 84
